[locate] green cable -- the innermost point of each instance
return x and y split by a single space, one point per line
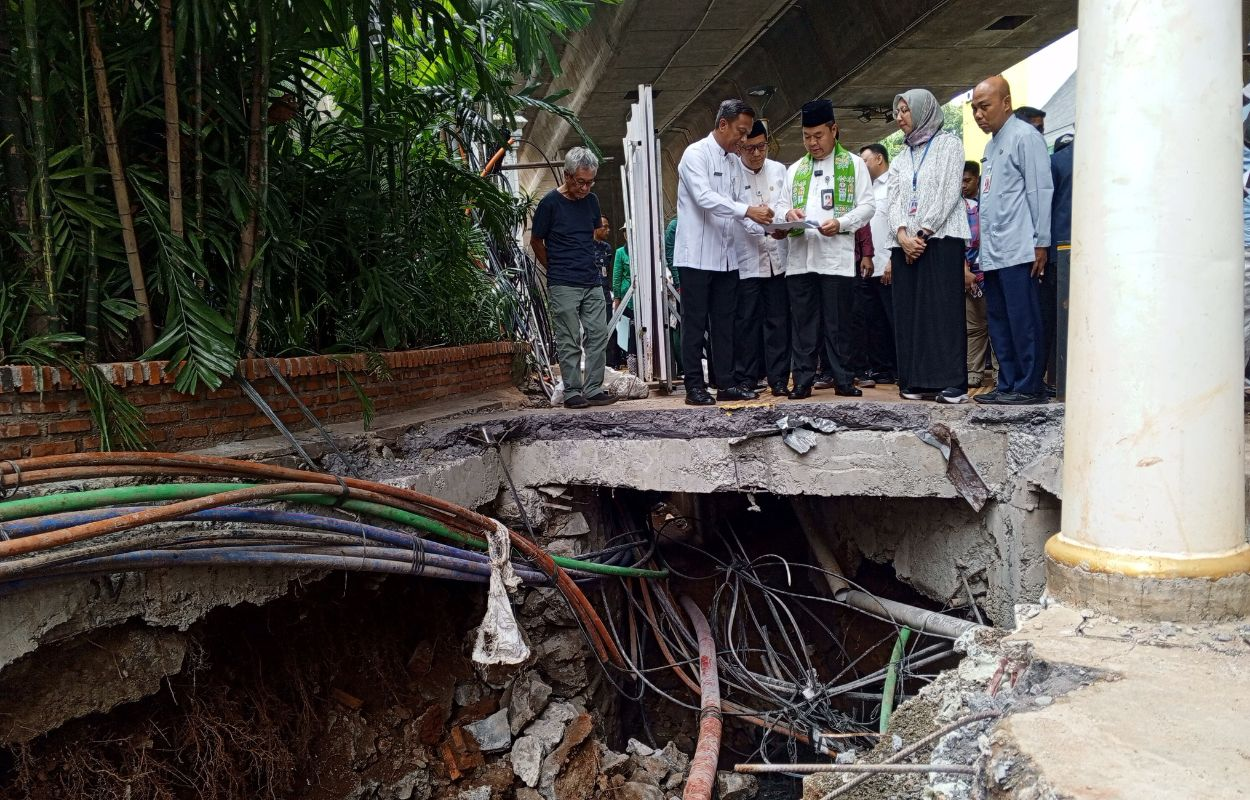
891 677
126 495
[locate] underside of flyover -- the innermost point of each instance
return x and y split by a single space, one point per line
696 54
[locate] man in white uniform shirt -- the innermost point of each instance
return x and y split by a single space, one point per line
762 329
711 186
832 187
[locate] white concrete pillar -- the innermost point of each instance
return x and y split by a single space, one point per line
1153 463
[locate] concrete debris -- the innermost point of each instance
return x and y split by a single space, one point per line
413 786
476 793
799 433
468 693
845 757
493 733
732 786
529 698
638 791
574 524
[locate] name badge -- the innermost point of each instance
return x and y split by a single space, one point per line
915 201
826 199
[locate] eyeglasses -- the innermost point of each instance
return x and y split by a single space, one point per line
582 183
755 148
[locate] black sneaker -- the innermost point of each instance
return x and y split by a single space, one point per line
952 396
824 382
988 398
576 401
884 377
699 397
916 393
602 399
865 380
735 393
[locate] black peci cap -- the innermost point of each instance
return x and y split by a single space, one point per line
817 112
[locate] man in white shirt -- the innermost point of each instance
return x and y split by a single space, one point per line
829 186
710 188
762 327
874 307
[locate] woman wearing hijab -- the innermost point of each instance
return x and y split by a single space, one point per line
929 229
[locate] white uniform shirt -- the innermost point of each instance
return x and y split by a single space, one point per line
830 255
881 242
710 208
760 255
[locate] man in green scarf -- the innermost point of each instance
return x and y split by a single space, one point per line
832 187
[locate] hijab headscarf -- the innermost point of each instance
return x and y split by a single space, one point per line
926 115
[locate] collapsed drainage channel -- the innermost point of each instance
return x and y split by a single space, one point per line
559 725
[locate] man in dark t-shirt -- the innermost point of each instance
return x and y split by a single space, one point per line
563 240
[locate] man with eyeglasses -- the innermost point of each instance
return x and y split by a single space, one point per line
762 323
711 206
563 240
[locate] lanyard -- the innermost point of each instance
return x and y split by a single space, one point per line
915 173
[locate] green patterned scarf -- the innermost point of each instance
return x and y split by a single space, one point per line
843 183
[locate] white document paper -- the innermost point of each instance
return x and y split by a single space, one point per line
797 224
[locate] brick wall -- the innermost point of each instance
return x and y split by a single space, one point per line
52 418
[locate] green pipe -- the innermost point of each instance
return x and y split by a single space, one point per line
891 677
128 495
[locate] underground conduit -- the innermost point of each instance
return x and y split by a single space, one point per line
461 518
702 776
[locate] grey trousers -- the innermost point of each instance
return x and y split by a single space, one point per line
577 320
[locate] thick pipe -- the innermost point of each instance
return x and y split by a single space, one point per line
455 516
702 776
918 619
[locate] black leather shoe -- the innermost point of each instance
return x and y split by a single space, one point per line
847 391
699 397
780 391
735 393
823 382
801 393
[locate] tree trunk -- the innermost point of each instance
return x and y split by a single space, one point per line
247 325
363 8
120 191
173 138
39 154
12 136
199 117
91 292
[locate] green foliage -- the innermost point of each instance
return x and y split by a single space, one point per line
118 421
372 225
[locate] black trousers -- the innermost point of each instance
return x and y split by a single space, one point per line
930 317
872 349
707 312
762 332
820 316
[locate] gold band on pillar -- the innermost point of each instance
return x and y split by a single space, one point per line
1067 552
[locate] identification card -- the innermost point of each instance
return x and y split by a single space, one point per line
915 202
826 199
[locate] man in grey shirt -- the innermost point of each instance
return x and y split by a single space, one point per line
1016 191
